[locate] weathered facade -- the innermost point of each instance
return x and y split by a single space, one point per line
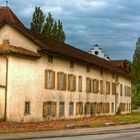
42 79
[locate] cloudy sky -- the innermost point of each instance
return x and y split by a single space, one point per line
113 24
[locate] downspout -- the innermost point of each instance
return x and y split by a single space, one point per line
6 87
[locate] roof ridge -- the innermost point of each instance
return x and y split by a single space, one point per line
8 15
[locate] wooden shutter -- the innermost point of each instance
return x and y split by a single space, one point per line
69 82
91 108
74 88
53 80
45 109
94 84
97 84
65 83
77 108
58 80
46 79
54 109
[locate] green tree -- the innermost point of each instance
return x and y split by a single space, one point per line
136 75
61 35
54 29
47 28
47 25
37 20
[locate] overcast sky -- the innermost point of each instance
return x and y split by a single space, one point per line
113 24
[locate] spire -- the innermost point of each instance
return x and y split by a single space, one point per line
7 2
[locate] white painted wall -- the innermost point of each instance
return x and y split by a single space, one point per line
26 81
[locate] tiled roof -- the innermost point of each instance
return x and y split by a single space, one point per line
10 49
47 44
121 64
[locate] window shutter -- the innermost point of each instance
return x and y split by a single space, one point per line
53 80
74 88
97 84
65 83
54 109
46 79
68 82
77 108
45 109
58 80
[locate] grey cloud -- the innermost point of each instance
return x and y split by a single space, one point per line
114 24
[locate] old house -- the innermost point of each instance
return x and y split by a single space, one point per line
41 78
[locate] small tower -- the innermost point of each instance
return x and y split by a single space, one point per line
7 2
98 51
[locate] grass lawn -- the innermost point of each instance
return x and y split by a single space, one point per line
134 116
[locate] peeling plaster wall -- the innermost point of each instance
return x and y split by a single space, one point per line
2 83
16 38
26 83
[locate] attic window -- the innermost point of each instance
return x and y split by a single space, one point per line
50 58
71 64
88 68
96 52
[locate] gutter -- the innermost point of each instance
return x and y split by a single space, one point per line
6 87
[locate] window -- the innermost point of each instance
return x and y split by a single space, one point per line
102 107
125 91
49 79
49 109
88 68
87 108
96 52
61 81
101 72
79 108
88 85
112 107
50 58
95 107
95 86
113 89
129 92
71 82
106 107
61 109
71 64
71 108
80 84
27 108
121 90
107 87
98 107
101 86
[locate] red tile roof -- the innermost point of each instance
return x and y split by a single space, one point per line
121 64
47 44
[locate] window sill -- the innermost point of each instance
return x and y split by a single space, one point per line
27 114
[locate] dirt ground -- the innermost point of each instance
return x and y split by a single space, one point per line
48 125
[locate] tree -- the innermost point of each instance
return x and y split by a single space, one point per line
135 73
55 31
37 20
61 35
48 25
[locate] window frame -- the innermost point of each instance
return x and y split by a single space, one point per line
27 108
